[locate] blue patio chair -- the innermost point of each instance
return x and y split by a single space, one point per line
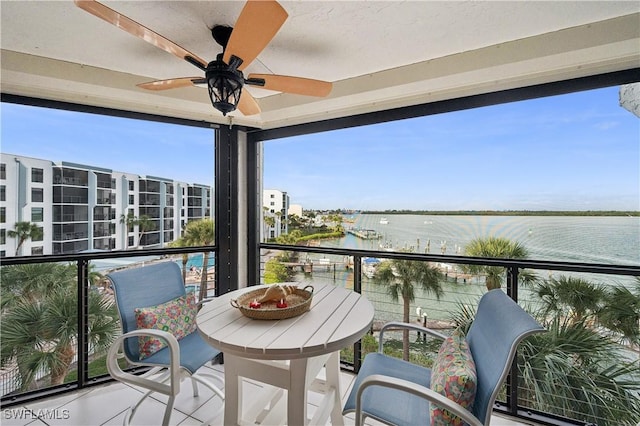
397 392
155 297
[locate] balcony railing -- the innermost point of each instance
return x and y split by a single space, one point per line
541 288
354 269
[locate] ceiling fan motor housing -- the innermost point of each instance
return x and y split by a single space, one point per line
225 85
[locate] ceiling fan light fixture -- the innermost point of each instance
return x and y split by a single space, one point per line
225 86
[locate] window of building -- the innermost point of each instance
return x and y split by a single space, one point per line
131 199
130 242
3 193
37 250
37 214
37 175
3 171
41 237
131 185
3 214
3 236
37 195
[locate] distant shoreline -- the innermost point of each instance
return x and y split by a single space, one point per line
506 212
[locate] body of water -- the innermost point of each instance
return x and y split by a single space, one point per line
591 239
601 240
195 260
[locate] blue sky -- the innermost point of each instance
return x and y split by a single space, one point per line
146 148
578 152
570 152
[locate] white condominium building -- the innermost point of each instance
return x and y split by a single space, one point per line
81 207
276 207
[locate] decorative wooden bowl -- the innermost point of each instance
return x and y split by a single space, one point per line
298 303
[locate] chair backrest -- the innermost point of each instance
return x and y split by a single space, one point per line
142 287
499 326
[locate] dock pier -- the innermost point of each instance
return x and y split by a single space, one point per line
365 234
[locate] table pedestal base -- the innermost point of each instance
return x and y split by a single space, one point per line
296 377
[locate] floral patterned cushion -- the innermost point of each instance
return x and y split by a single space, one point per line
176 316
453 375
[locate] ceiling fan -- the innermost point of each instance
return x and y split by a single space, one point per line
257 24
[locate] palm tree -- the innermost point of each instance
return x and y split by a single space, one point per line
295 221
574 371
400 278
621 314
575 300
308 218
39 327
572 298
144 224
201 233
497 248
23 231
128 220
269 222
581 360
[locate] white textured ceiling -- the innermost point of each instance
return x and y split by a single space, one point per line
378 54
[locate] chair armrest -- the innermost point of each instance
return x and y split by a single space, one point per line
414 389
173 388
205 301
397 325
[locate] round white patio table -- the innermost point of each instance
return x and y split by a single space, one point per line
258 349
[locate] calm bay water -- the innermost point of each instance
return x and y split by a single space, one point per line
594 239
601 240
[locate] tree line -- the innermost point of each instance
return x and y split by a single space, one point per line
508 212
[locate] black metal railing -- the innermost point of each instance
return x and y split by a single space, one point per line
342 267
82 262
332 264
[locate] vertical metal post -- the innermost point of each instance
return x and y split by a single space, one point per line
512 379
357 274
357 287
226 156
512 282
83 322
253 212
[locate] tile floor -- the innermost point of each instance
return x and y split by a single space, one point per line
108 404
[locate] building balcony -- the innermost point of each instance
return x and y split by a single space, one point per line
525 403
399 61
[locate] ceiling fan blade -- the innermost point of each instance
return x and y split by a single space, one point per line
297 85
257 24
247 104
172 83
132 27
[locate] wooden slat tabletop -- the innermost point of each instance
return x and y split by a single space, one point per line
337 318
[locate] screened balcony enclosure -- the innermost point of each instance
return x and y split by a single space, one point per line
397 69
